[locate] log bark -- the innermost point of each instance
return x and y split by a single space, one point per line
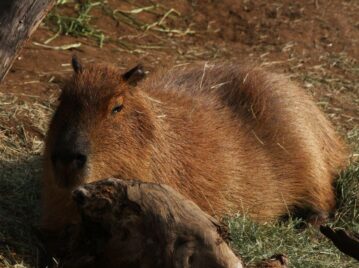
136 224
18 20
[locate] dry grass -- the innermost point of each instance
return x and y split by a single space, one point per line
159 19
23 121
76 25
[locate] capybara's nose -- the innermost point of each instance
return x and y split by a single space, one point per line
69 160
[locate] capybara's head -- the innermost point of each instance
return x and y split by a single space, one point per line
101 126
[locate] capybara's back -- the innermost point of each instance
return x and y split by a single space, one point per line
230 138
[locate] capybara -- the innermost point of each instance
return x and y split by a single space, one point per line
229 137
128 223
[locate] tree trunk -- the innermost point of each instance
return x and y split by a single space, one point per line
18 20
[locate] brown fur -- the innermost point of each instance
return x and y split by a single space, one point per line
230 138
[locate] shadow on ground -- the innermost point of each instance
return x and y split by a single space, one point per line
19 210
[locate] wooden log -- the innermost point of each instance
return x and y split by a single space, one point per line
18 20
136 224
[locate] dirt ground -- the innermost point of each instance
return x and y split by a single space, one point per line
315 42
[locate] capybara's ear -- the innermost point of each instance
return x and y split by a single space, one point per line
134 75
76 65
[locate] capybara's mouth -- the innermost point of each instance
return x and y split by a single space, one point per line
70 180
70 169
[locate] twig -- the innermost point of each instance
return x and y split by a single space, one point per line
63 47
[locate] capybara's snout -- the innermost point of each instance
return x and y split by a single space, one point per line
70 160
69 157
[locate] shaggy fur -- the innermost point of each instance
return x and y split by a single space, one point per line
230 138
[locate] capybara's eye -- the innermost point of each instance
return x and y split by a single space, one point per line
117 109
118 105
